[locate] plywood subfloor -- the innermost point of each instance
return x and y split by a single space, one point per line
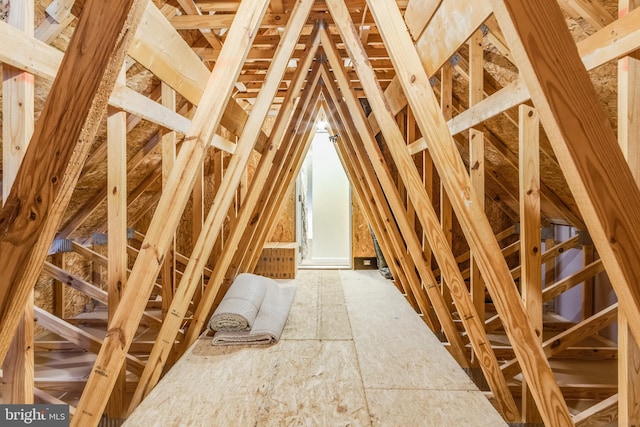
353 353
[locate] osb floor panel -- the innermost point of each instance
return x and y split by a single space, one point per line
353 353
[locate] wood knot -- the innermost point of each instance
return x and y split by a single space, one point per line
118 335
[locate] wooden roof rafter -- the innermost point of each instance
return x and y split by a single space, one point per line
290 148
477 229
171 205
213 224
387 207
260 110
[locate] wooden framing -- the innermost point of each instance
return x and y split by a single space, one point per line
168 144
581 162
569 337
170 206
90 289
80 338
37 200
620 38
477 229
628 131
18 116
44 61
376 189
446 211
117 226
191 8
213 223
424 208
203 310
93 203
603 412
476 158
530 253
367 148
169 57
399 63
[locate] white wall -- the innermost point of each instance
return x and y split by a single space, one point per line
330 204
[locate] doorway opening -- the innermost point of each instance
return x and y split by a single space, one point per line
323 207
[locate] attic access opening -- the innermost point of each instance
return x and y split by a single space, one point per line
323 206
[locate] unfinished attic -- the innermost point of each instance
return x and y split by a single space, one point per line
153 151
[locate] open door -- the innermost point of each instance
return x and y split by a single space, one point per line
323 207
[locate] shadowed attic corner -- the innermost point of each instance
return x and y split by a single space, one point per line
489 146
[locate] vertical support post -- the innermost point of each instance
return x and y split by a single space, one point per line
628 134
530 239
117 227
402 125
218 168
446 210
168 144
588 286
243 188
58 287
427 180
96 272
550 264
18 367
197 218
410 137
17 103
476 158
17 129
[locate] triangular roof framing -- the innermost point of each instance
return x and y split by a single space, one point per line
553 75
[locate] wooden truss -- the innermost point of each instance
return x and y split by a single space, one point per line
417 126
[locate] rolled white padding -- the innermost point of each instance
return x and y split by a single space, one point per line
239 307
269 321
